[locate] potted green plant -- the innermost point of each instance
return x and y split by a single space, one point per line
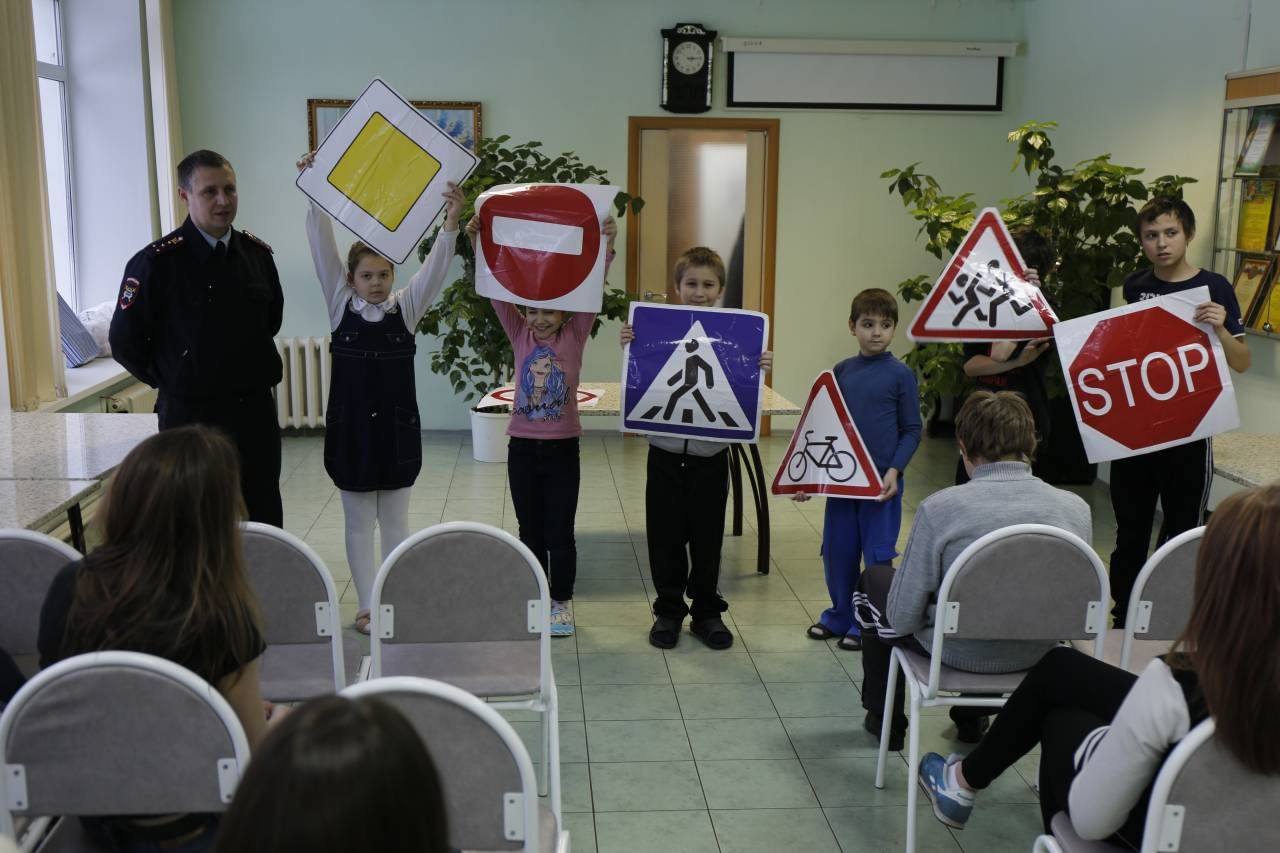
1087 213
473 351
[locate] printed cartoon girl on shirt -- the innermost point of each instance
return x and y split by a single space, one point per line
542 392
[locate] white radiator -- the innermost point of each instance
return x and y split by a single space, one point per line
302 395
136 398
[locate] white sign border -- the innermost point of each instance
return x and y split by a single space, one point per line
1069 341
456 164
579 300
626 364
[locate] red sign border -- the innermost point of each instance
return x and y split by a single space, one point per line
988 219
827 379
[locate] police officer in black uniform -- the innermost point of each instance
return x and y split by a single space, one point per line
197 313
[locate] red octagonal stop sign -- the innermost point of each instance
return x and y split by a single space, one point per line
540 243
1145 378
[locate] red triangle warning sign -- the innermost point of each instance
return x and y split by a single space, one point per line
826 455
983 293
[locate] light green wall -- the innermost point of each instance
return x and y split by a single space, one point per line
570 72
1144 80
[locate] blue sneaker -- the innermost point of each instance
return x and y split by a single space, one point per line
952 805
561 618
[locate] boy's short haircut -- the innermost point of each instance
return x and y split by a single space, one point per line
995 425
204 158
699 256
874 302
1034 248
1176 207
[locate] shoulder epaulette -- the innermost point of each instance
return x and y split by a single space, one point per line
166 244
258 240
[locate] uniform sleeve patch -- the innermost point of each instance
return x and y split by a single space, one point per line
129 292
258 240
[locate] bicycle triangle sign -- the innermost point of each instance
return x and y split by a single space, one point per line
983 293
694 372
826 455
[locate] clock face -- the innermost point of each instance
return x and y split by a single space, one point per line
688 57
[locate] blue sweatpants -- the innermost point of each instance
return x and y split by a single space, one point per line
855 532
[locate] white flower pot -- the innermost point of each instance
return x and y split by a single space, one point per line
489 436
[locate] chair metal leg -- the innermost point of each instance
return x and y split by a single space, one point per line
551 755
544 753
1046 844
913 761
886 718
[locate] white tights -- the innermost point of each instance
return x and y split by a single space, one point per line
390 509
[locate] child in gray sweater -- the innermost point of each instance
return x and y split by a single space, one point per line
996 435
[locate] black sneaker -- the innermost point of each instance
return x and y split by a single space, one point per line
971 729
872 722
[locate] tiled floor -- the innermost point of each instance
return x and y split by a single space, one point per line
759 748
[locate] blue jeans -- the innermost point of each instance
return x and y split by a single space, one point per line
856 532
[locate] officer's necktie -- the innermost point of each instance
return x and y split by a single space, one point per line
219 249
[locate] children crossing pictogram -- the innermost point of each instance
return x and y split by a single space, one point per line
686 386
826 455
984 293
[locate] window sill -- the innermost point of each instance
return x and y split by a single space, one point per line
89 381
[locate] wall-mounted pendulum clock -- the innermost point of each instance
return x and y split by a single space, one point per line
686 68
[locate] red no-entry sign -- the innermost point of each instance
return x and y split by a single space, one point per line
541 242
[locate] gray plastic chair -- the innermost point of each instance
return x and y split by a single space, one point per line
307 652
467 604
490 789
1159 606
1202 800
1022 582
116 733
28 563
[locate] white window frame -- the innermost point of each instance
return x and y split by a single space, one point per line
58 72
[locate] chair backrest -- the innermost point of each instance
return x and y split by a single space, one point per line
296 594
1022 582
1160 604
28 563
1203 799
460 582
118 733
490 789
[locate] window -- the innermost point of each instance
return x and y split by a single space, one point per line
51 70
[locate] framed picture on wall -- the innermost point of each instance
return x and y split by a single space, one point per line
1252 276
459 119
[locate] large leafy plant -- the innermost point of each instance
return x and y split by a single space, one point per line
1086 211
474 352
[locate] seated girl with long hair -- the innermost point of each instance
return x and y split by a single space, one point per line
1104 732
339 775
167 580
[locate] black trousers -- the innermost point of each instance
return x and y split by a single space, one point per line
249 420
1179 478
869 607
684 499
1063 698
11 678
545 475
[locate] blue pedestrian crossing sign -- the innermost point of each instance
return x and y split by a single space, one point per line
694 372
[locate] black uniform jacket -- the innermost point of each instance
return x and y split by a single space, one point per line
197 325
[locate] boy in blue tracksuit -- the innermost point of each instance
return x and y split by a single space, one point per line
884 400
